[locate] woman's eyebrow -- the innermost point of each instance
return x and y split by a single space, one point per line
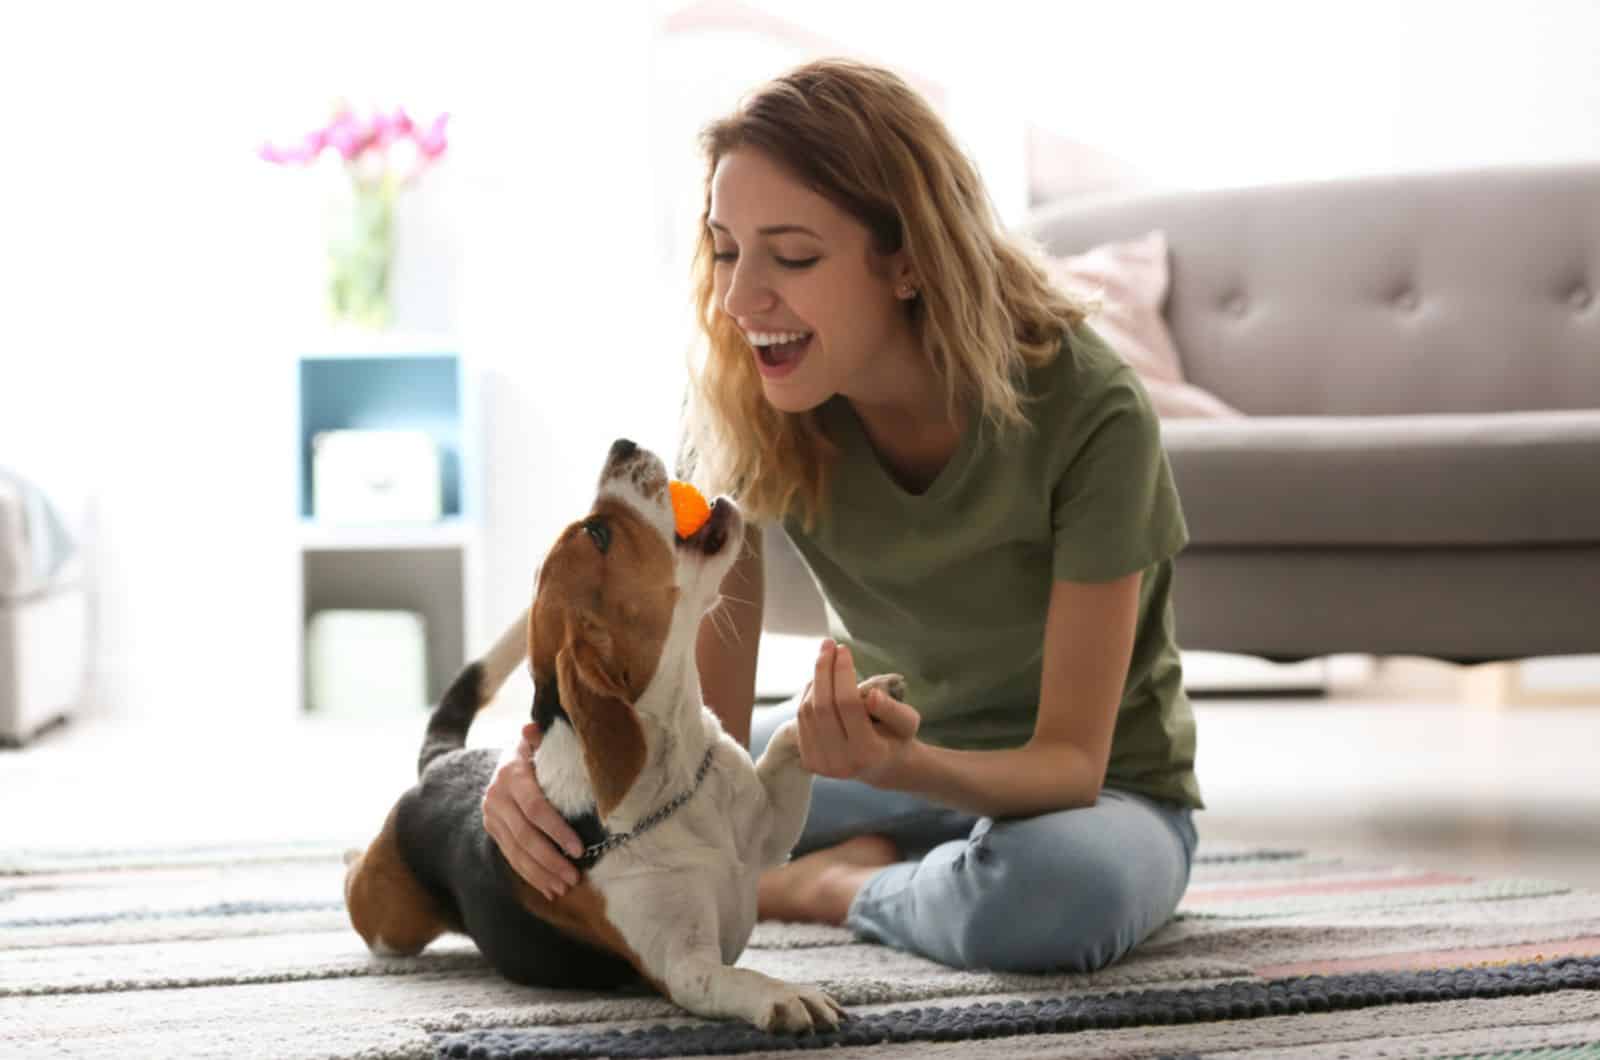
771 230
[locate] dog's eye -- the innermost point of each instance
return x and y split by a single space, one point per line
599 532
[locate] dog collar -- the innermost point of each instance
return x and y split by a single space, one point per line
593 851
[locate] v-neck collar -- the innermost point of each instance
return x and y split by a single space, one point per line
855 438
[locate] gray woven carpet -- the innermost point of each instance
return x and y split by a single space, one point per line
245 952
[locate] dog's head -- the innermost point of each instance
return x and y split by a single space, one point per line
616 610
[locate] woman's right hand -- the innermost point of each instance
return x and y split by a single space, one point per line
528 830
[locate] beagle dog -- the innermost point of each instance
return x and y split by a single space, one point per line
678 821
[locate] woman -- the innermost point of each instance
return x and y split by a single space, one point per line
977 483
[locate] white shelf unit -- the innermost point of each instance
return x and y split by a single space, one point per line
450 532
392 382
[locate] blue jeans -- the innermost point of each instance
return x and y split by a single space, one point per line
1070 891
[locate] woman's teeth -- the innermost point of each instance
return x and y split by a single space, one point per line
774 338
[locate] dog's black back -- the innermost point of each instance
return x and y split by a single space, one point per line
439 825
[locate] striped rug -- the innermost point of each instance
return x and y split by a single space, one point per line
245 952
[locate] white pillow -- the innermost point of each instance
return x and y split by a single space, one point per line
1126 286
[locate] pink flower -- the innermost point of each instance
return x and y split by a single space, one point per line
285 156
372 145
394 127
432 143
346 135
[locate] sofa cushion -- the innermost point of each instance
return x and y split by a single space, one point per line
1505 479
1125 285
1453 292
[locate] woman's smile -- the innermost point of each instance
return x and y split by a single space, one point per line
779 354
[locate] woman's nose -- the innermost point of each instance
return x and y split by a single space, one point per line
746 295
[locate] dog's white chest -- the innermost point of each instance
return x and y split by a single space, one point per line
558 763
699 867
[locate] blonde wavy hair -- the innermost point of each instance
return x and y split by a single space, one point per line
865 140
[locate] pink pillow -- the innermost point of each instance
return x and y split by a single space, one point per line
1125 285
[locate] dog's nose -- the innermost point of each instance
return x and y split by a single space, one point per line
638 465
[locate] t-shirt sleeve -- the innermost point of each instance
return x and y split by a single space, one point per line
1114 507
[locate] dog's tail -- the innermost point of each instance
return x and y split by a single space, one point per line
472 689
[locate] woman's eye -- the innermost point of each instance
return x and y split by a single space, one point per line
599 532
724 255
798 263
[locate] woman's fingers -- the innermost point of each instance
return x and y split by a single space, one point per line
536 809
901 720
828 745
522 784
529 852
848 708
527 828
842 673
836 734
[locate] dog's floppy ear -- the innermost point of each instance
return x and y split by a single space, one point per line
607 727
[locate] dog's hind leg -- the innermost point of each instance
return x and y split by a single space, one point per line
388 906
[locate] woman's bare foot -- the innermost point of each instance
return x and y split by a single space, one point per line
819 887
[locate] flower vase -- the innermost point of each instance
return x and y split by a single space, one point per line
360 250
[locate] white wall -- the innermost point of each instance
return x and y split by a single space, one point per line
564 309
1250 91
155 275
159 279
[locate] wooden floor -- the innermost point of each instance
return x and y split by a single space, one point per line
1436 784
1440 785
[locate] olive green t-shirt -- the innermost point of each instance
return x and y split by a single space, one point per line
950 587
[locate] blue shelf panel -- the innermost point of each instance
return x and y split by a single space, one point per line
421 392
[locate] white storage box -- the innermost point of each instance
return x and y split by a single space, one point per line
366 663
375 477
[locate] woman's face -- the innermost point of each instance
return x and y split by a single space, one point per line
801 280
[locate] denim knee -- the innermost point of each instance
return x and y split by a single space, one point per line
1043 910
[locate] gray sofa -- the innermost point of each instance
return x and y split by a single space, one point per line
1418 358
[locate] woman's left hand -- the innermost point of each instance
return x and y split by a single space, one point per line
849 733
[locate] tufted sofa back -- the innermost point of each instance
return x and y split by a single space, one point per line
1472 291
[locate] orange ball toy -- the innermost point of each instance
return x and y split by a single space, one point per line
689 507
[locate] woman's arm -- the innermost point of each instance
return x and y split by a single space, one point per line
1088 643
729 638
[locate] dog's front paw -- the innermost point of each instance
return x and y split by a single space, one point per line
790 1008
785 743
892 685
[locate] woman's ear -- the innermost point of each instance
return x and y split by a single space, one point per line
903 276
